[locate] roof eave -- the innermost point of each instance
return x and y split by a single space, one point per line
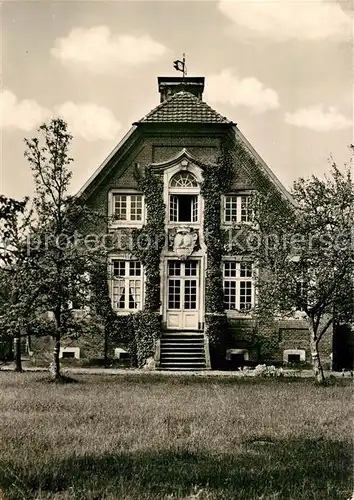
184 123
267 170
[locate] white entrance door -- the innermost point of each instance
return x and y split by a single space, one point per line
182 294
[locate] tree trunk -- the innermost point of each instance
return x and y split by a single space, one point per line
55 368
29 345
105 348
17 349
316 362
56 361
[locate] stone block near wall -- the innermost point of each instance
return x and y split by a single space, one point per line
119 353
294 334
294 337
69 352
294 356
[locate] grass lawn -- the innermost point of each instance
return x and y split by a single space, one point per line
154 437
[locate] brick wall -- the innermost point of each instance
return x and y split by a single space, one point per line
242 180
290 334
91 347
148 150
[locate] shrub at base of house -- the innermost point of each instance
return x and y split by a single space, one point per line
217 332
6 350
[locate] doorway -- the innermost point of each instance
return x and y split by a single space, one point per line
182 294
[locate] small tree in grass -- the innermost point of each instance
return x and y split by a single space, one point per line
305 254
16 297
60 264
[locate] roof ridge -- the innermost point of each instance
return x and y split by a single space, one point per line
203 106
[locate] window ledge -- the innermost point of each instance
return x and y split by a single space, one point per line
126 312
125 225
238 225
181 224
239 314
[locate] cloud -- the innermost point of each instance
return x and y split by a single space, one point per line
282 20
101 51
228 88
23 115
318 119
89 121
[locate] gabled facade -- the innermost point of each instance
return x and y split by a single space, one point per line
176 142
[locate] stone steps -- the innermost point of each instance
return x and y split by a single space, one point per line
182 351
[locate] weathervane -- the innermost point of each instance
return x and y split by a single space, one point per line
181 65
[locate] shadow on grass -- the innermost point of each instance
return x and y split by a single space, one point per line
286 470
63 380
195 380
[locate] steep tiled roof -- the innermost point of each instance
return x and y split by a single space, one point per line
184 107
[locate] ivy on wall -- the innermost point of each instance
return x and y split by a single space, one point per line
147 330
149 241
138 332
101 303
261 338
216 182
264 338
141 330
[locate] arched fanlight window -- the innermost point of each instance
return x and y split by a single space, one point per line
183 180
184 194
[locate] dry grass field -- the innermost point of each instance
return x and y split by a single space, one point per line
154 437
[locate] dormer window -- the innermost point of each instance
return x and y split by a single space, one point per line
183 198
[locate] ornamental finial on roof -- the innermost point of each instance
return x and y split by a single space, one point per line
181 65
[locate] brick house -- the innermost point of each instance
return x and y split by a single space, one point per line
175 141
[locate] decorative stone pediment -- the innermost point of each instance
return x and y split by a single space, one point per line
184 160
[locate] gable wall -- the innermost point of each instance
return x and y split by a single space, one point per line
158 148
242 180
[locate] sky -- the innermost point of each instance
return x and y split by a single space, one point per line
281 69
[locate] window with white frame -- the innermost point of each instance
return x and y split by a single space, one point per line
126 284
238 285
183 208
237 208
127 207
183 198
